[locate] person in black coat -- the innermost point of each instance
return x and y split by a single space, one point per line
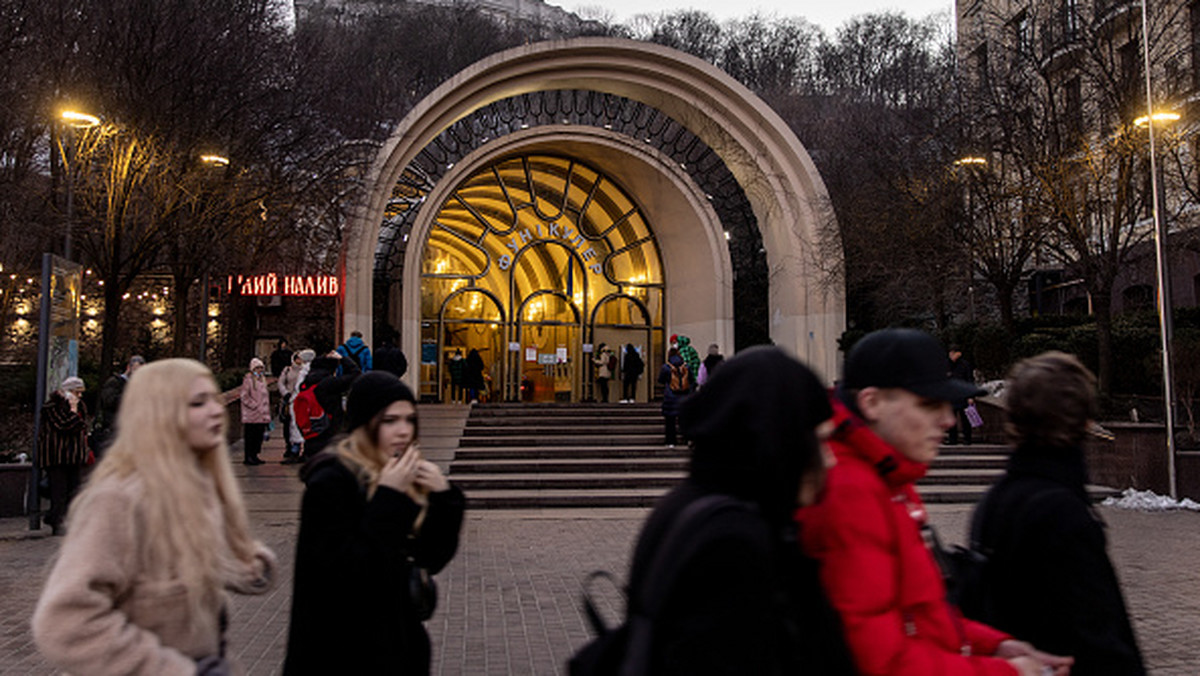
1048 579
373 509
473 376
632 367
747 601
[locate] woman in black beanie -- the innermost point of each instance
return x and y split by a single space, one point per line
373 511
744 599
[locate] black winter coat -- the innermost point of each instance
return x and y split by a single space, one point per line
748 602
1049 580
351 612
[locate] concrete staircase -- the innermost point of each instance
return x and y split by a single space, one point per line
541 456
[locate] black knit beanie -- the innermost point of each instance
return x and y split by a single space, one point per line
371 393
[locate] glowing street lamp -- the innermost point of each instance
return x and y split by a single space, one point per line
1159 118
971 160
215 160
78 119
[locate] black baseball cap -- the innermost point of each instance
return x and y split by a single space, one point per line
908 359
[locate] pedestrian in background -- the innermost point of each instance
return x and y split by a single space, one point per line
373 511
690 357
287 384
455 367
711 361
744 600
388 357
1048 578
280 358
63 447
110 401
256 411
356 349
891 412
606 363
473 376
318 401
677 385
154 540
632 367
963 370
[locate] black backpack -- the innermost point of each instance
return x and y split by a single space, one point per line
626 650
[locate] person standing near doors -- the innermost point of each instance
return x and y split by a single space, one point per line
632 367
606 369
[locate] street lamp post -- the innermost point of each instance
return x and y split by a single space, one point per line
75 120
1160 257
213 161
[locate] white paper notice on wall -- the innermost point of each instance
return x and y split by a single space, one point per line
531 354
561 354
514 347
587 348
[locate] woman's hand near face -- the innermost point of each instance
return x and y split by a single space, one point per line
400 473
430 478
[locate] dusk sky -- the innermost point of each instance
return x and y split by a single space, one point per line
827 15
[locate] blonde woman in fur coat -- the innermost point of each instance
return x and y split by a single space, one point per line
154 541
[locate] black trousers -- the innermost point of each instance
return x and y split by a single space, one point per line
629 389
960 420
253 439
602 387
64 483
672 426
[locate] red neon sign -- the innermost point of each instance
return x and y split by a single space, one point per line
272 284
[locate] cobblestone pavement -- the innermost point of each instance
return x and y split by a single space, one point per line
509 600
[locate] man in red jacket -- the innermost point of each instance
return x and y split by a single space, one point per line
891 412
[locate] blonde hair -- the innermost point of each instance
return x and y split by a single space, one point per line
176 483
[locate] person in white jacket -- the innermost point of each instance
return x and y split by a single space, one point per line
295 440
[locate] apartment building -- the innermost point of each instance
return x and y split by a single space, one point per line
1054 106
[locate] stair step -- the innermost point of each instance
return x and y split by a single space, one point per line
545 480
554 498
971 462
569 465
563 422
572 452
567 428
565 441
971 477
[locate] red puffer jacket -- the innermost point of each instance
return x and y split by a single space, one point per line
877 571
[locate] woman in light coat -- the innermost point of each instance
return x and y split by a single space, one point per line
256 411
154 540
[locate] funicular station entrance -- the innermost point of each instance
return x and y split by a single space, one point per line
561 196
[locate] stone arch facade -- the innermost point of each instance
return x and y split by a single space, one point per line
773 170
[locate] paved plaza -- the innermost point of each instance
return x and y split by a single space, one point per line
509 600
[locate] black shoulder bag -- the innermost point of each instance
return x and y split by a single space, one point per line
625 650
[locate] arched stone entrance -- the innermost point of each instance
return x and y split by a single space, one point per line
696 154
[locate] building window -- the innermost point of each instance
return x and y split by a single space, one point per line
1129 61
1137 297
1023 34
1073 108
1194 22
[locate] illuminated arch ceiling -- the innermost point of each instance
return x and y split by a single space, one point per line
546 223
610 112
